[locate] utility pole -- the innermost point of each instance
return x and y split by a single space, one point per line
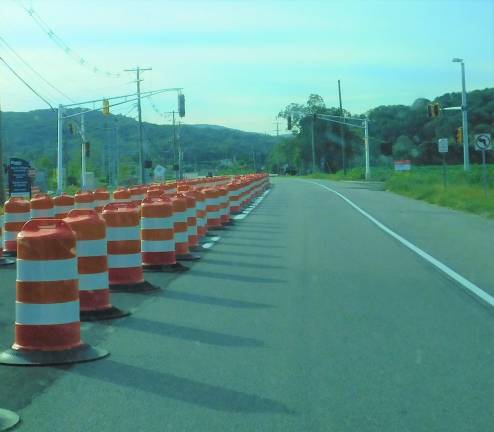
2 189
342 133
60 150
177 172
314 116
367 151
138 70
83 151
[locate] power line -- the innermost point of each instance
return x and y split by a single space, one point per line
25 83
34 70
64 47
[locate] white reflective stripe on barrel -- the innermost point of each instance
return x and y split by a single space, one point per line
119 200
156 223
123 233
46 314
10 235
46 270
16 217
35 213
63 209
84 205
180 217
157 245
181 237
91 248
214 215
93 282
124 260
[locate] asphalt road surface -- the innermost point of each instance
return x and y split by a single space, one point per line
305 316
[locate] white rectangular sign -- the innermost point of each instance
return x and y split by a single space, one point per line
442 145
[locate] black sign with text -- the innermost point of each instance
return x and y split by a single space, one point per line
19 180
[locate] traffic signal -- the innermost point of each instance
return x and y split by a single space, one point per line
148 164
71 129
459 135
106 107
87 148
289 122
433 110
181 105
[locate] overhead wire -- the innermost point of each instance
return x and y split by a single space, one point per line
25 83
63 46
34 70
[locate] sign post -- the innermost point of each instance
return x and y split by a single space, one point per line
483 143
442 147
20 174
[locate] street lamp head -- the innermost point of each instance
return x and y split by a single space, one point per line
457 60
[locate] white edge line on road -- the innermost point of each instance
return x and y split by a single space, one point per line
256 202
470 286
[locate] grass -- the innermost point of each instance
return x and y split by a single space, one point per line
464 190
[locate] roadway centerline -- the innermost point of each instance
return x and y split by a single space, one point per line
470 286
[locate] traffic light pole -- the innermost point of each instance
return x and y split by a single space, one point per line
60 150
342 133
464 115
313 146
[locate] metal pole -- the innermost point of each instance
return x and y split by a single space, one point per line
139 113
83 155
367 155
138 70
342 133
313 146
464 113
60 151
2 189
180 155
117 157
444 170
484 172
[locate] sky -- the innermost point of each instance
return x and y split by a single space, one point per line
241 62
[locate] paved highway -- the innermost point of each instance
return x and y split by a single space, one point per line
305 316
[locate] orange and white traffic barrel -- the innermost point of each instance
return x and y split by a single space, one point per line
123 222
3 260
201 212
181 228
92 265
121 195
234 197
137 194
101 198
84 200
42 206
193 238
47 325
213 208
17 211
157 235
62 204
8 419
224 205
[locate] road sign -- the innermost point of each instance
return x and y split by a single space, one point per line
19 180
483 141
159 172
442 145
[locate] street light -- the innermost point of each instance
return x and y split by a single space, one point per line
464 114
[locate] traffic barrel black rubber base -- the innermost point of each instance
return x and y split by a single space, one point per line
188 257
137 287
216 228
166 268
104 314
6 261
10 254
8 419
82 353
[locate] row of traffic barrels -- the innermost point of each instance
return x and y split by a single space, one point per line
17 211
68 266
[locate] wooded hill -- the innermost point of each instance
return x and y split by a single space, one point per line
396 132
113 143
